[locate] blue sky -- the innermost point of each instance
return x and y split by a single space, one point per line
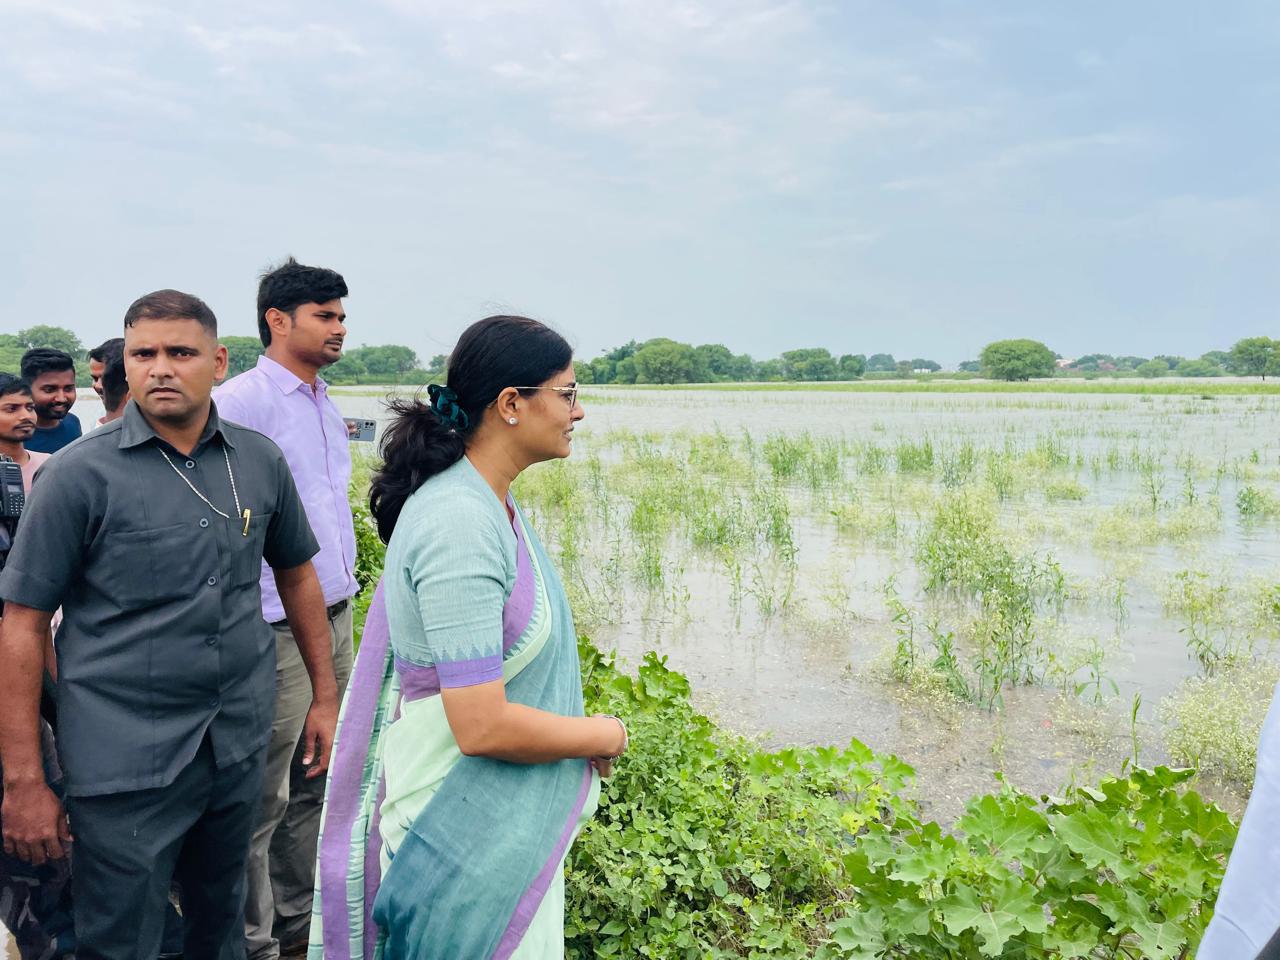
916 178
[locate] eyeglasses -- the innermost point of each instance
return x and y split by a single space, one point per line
570 394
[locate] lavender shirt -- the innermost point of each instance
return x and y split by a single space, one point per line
309 430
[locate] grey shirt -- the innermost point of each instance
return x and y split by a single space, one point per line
162 637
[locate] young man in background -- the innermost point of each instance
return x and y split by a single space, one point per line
17 425
115 387
302 325
98 360
52 375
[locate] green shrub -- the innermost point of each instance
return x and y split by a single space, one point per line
705 847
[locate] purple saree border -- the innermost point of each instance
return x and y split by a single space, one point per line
531 899
345 781
518 610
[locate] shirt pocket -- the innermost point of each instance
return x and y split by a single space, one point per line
136 569
246 548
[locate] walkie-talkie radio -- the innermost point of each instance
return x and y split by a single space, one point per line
12 500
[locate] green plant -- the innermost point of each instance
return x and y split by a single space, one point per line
1124 870
1213 723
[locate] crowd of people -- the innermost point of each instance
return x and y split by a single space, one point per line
177 636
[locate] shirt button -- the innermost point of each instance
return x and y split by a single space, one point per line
213 702
210 641
213 581
190 464
204 521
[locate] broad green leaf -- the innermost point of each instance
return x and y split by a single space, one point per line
1009 910
1099 840
862 935
1007 826
917 864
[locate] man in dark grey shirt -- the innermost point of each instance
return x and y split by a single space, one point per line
150 533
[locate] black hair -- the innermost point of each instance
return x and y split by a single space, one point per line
292 284
491 355
40 360
114 385
171 305
11 384
102 351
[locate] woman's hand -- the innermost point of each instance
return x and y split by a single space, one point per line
604 766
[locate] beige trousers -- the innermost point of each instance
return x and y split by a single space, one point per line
282 855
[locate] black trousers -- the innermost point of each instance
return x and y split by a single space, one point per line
130 846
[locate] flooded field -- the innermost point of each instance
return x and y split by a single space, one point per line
1039 585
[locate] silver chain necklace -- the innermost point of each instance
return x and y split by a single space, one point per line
243 514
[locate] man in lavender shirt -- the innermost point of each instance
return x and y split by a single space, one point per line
301 323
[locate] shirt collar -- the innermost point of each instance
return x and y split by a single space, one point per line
135 431
286 380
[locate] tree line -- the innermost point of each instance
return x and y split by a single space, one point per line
1024 359
663 360
389 363
666 361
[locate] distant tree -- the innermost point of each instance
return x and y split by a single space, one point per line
1129 363
769 370
348 369
881 363
970 366
55 338
1171 359
1152 368
603 370
928 366
852 366
1017 360
814 363
903 368
582 372
664 361
436 367
388 362
1255 357
713 361
1197 368
1219 358
243 353
624 370
743 368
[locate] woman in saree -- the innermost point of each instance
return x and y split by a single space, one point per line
463 767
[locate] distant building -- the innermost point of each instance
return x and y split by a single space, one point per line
1064 362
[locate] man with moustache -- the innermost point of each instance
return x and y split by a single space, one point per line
52 375
150 533
301 322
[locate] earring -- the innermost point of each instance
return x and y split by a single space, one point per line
512 421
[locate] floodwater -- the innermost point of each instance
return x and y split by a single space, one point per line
815 673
